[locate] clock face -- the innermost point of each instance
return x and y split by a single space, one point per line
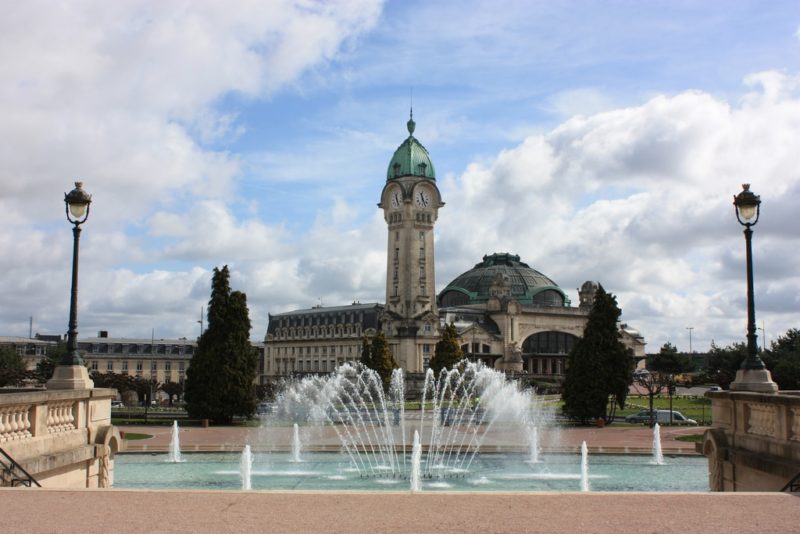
396 199
422 198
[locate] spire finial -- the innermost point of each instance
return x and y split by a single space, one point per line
411 124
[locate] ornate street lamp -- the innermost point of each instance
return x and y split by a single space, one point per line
753 374
71 373
77 208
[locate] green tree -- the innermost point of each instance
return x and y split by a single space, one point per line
366 353
783 360
448 352
120 382
599 367
662 368
12 367
173 389
724 362
46 365
382 359
219 380
669 361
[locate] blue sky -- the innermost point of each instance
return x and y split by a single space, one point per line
598 140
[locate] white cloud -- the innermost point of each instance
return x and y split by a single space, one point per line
113 92
640 199
122 95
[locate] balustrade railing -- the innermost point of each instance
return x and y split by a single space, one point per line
60 416
15 422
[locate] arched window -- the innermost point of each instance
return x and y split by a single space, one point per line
549 343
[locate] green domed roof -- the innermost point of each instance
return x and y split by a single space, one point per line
411 158
526 285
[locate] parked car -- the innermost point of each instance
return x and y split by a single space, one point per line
661 417
640 417
117 404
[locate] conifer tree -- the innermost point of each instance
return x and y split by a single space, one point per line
366 353
219 381
448 352
382 361
599 367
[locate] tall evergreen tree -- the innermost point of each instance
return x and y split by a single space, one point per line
599 367
448 352
366 353
382 361
219 380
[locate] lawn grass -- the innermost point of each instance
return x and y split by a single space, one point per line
691 438
131 436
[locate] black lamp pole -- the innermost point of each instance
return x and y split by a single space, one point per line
748 208
77 205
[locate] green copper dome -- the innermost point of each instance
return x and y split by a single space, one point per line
526 285
411 158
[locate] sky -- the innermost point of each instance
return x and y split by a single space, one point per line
598 140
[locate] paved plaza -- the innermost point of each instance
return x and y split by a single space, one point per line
127 511
28 511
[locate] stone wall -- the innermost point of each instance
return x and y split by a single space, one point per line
755 442
63 438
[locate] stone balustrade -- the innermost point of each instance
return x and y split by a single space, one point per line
755 442
63 438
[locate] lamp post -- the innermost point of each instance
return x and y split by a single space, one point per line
752 374
690 328
70 372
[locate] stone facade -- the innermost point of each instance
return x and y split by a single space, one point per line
316 340
63 438
755 442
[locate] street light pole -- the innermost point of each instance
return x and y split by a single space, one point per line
70 372
690 328
752 374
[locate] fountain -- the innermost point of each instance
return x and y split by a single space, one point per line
584 467
658 456
175 445
246 466
533 445
459 409
474 431
296 444
416 455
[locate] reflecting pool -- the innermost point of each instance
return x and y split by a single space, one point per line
336 472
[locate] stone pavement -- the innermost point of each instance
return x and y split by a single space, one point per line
135 512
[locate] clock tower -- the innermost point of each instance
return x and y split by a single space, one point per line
410 201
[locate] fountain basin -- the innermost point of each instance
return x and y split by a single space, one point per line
335 472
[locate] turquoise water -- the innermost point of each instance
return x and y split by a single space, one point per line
335 472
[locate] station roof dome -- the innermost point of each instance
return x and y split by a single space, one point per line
411 158
506 273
